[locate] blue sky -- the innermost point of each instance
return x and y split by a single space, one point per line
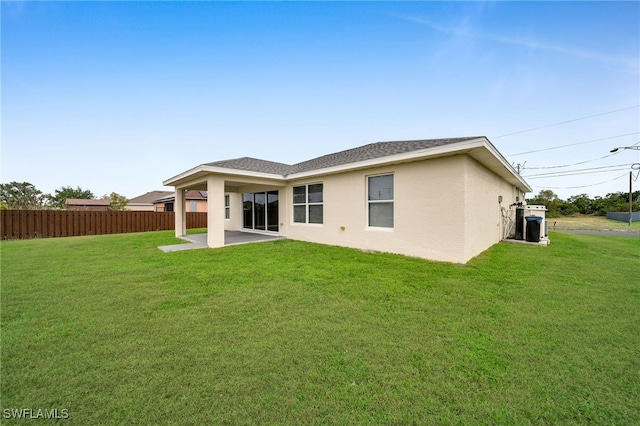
119 96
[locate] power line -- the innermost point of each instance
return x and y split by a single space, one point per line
578 174
578 171
570 165
576 164
573 144
581 186
565 122
588 168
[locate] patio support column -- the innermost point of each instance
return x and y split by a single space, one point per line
180 215
215 211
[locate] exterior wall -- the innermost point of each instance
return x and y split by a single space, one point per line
483 225
215 213
141 207
234 223
90 208
445 208
428 211
159 207
201 205
180 215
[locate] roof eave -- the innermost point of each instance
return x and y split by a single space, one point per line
391 159
203 170
467 146
495 162
514 177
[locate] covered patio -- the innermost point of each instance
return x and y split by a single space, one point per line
228 185
231 238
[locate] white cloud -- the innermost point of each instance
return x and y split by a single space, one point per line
464 30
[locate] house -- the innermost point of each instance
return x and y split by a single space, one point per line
85 204
440 199
144 202
194 201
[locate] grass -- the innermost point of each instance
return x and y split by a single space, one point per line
591 223
117 332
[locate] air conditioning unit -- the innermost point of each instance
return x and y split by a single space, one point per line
516 223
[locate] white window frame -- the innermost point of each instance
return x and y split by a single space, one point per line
193 205
306 204
388 201
227 207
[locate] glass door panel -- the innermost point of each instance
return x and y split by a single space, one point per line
259 210
247 211
272 211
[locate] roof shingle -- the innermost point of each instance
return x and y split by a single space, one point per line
370 152
149 197
253 165
354 155
86 202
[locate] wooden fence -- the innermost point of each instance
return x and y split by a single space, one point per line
25 224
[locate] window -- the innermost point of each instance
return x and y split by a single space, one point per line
193 205
307 203
380 200
227 207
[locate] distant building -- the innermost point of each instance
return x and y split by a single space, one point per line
146 201
195 201
82 204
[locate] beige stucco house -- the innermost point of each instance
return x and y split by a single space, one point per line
194 201
86 204
145 202
439 199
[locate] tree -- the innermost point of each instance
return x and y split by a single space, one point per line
117 201
550 200
59 198
582 203
21 196
546 196
617 202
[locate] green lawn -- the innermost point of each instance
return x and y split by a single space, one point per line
589 223
117 332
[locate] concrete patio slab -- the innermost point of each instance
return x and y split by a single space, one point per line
197 241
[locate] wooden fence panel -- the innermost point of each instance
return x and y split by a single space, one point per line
25 224
7 221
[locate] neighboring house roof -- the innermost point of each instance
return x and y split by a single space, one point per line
149 197
374 154
84 202
189 195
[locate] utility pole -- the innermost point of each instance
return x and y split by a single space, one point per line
630 200
637 148
520 165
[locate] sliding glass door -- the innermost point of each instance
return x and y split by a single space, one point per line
260 211
272 211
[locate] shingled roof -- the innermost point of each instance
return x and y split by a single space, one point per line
354 155
149 197
370 152
253 165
